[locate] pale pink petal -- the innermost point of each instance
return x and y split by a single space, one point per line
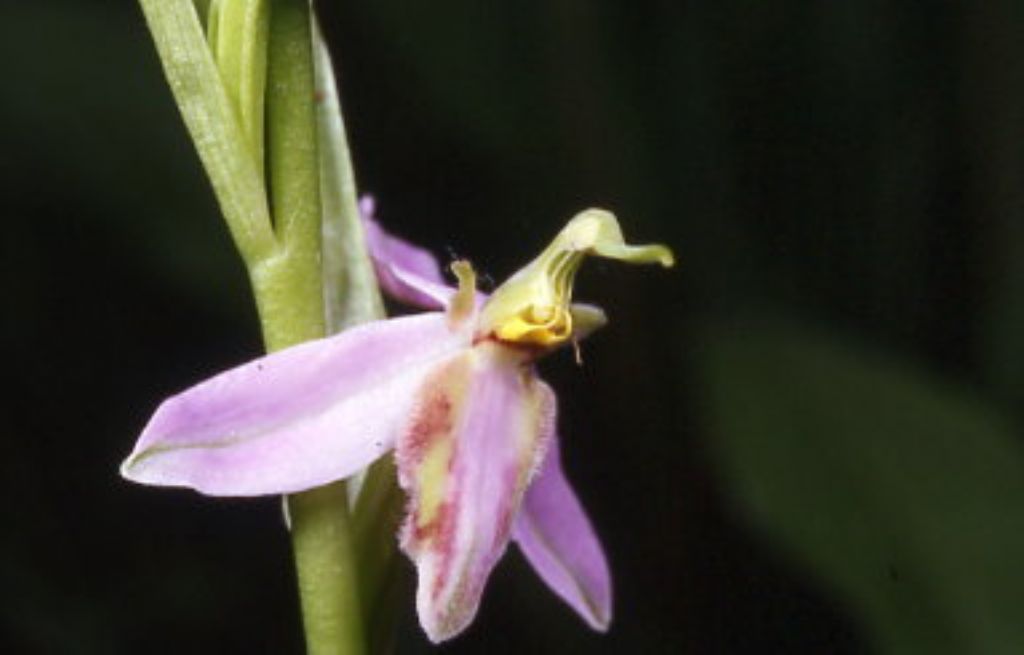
398 252
475 439
410 289
298 418
554 533
407 273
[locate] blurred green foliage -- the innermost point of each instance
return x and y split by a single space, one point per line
763 486
899 488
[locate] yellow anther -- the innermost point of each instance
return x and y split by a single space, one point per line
542 313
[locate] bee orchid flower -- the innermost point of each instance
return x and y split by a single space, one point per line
453 392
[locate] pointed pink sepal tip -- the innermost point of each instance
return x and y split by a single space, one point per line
557 538
295 419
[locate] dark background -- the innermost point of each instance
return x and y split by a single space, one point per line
804 439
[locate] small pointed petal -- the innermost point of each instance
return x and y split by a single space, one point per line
556 537
295 419
398 252
477 435
407 273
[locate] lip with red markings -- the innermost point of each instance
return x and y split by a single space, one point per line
472 426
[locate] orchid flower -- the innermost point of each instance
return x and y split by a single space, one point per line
454 392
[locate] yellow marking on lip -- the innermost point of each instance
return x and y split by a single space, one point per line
438 420
431 477
530 327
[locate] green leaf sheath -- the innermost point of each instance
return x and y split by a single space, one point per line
375 521
241 55
211 120
351 295
289 286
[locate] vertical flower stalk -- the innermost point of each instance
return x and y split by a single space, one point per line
290 296
249 77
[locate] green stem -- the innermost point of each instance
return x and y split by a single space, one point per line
325 558
290 297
